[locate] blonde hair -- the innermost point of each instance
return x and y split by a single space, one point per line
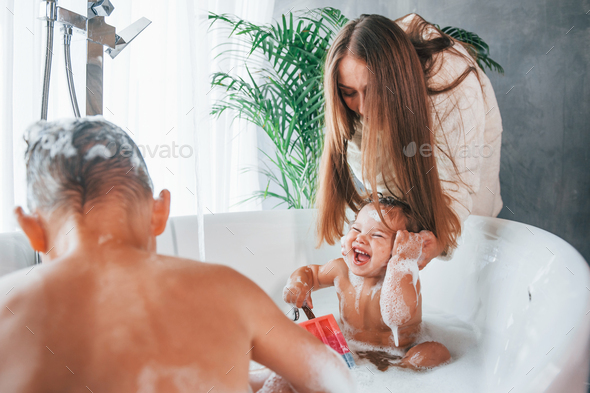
397 113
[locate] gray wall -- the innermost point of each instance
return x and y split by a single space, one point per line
544 174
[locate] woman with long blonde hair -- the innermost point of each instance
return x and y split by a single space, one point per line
410 115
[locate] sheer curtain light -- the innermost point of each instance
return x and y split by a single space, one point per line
22 45
157 89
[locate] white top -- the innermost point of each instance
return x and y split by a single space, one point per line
473 132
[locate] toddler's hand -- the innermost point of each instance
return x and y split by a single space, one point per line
407 245
430 248
297 292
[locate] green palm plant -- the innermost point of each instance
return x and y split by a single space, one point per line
283 93
286 96
478 48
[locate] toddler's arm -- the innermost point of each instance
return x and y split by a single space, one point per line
400 292
309 278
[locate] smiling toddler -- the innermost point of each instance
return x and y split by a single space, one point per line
377 283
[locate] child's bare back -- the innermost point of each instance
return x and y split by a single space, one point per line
105 313
378 287
128 321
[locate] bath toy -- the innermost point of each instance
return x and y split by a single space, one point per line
327 330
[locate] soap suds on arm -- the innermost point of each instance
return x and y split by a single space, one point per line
394 309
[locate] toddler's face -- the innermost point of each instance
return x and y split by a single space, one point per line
369 242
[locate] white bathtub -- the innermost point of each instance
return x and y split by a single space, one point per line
523 294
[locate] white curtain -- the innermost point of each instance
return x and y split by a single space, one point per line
157 89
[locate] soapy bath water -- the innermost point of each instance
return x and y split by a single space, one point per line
462 375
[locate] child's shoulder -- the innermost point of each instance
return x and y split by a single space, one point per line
220 282
339 266
213 273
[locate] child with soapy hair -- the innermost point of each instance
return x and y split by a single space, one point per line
105 312
377 285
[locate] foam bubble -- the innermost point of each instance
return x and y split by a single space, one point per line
357 346
329 372
394 309
375 215
295 291
357 282
376 288
184 378
63 145
275 383
98 151
104 238
347 330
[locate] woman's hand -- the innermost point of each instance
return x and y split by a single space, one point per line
430 248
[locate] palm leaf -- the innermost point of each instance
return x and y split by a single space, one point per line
479 47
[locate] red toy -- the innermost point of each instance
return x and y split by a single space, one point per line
326 329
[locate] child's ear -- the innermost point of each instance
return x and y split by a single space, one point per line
160 212
33 229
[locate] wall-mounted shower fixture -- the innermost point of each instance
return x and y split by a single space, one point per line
98 34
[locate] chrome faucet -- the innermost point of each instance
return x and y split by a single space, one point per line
98 34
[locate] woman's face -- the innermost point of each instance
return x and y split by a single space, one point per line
353 76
